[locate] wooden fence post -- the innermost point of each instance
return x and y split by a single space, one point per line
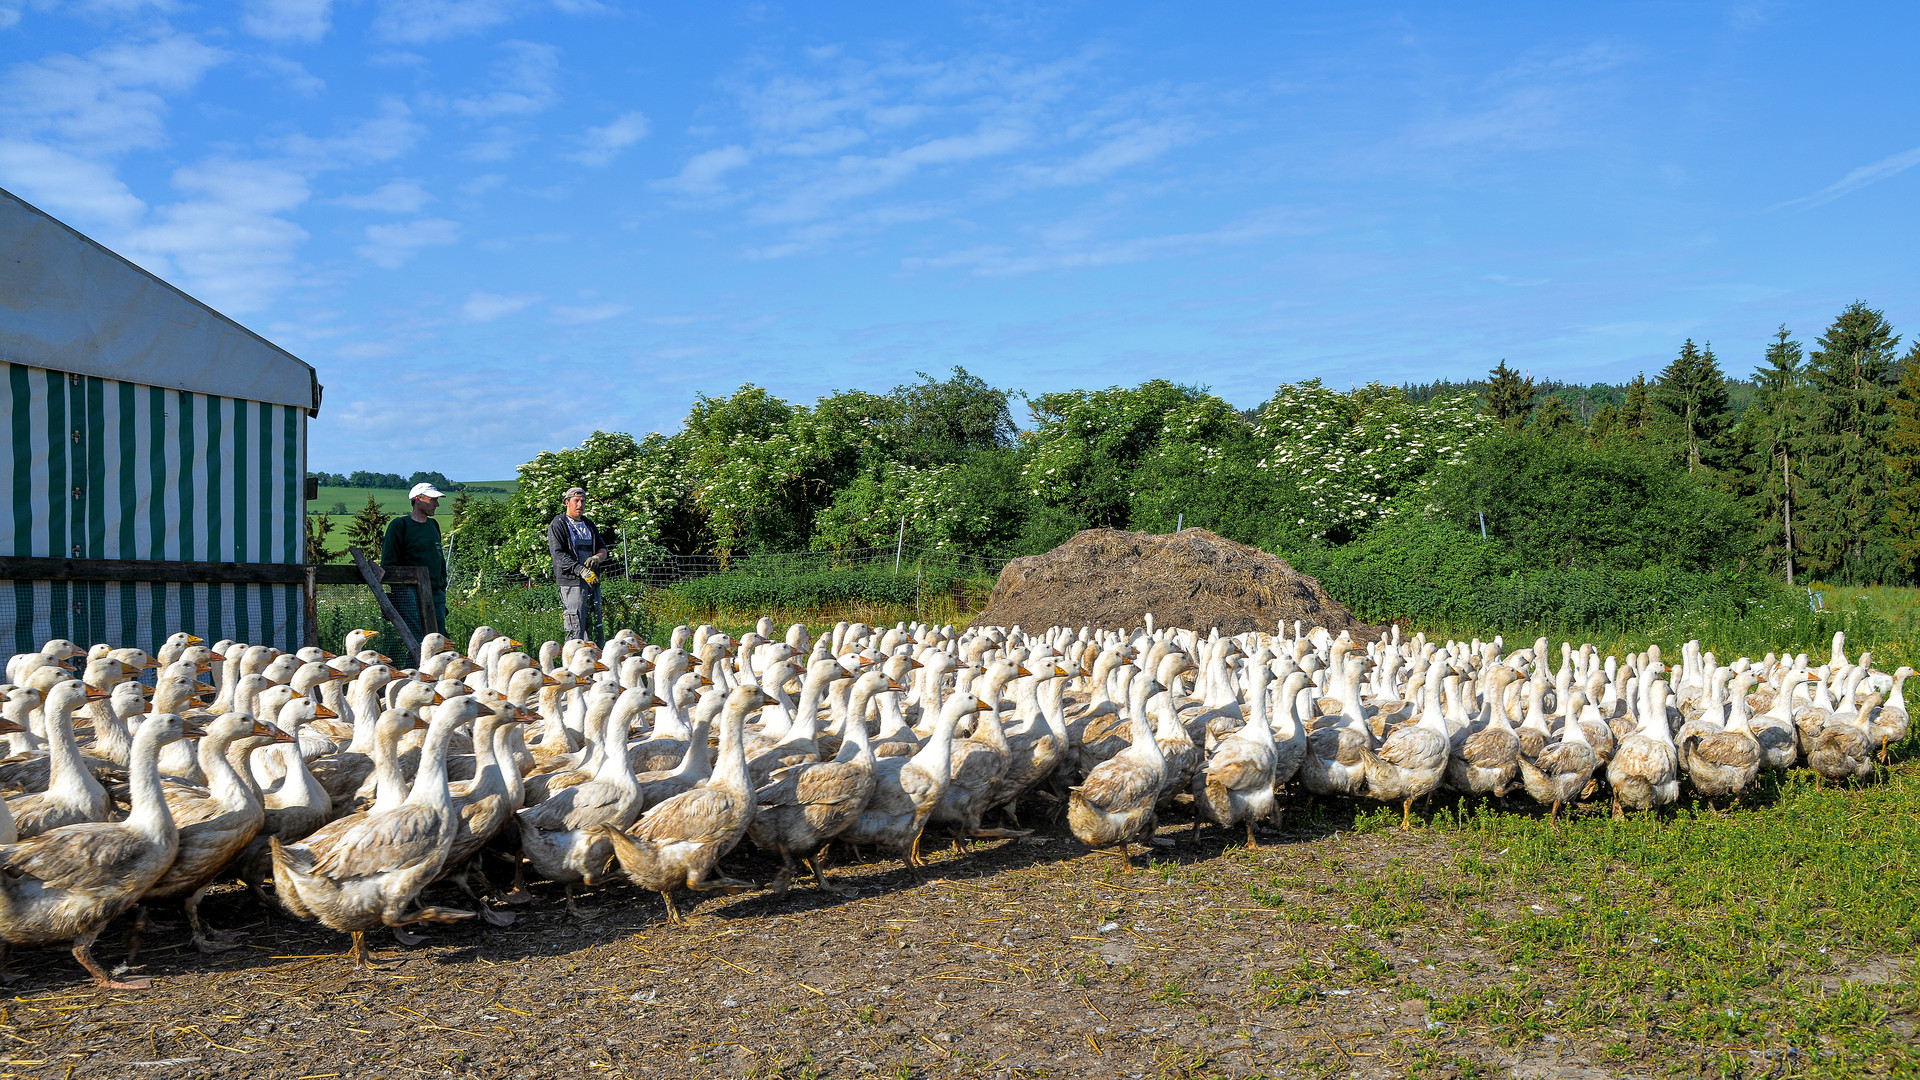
372 575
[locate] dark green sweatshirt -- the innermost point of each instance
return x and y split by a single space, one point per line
415 543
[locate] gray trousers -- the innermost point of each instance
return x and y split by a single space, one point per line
580 605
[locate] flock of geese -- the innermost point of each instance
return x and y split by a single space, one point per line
354 786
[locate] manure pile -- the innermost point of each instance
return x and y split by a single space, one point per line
1107 578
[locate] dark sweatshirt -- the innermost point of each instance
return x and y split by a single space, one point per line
566 567
416 543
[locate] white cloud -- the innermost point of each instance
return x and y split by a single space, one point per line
525 83
575 315
67 186
604 143
1069 247
390 246
1887 167
486 306
420 21
226 244
382 137
287 20
392 197
701 175
1130 144
107 101
297 77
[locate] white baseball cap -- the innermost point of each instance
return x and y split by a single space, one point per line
424 491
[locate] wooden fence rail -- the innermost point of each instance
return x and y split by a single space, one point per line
363 572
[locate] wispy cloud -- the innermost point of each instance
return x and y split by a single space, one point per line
392 197
67 185
702 172
486 306
287 20
227 242
1886 168
415 22
1070 248
578 314
526 81
603 144
108 101
390 246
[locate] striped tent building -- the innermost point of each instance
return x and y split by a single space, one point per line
146 427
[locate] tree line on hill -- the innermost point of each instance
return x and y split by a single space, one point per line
388 480
1809 468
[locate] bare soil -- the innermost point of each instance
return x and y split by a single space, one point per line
1110 579
1025 957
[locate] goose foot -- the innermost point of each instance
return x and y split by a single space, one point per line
673 913
362 957
83 952
1252 841
407 937
213 946
584 914
497 918
723 885
998 834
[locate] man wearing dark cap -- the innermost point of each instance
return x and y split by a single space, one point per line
574 543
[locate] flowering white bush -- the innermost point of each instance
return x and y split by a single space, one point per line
1353 454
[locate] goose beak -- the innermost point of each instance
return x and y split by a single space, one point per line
265 731
147 691
382 658
325 656
203 688
706 680
321 712
598 666
911 662
151 663
7 727
512 644
194 640
437 699
895 684
418 724
522 716
548 680
1021 669
192 730
215 656
94 693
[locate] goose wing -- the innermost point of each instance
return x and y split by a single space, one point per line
1119 783
92 856
380 843
701 816
579 807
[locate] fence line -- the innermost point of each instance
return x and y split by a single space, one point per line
670 570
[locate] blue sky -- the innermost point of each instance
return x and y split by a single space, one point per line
496 225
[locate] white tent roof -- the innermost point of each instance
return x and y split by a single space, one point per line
69 304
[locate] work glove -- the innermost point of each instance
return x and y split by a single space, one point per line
589 576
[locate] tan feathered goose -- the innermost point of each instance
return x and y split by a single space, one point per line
217 823
1722 762
1563 768
67 884
1235 785
696 760
1115 803
72 795
563 837
366 870
1645 770
1891 724
677 844
1412 760
1485 761
907 789
803 807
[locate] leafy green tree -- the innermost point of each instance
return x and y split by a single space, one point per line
1853 376
1087 445
1509 395
368 528
1690 407
1903 461
1606 422
1636 414
1565 502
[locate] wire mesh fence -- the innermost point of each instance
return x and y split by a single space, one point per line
877 585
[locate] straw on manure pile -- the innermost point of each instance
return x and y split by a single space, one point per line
1112 579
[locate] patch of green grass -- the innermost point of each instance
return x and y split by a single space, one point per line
1790 926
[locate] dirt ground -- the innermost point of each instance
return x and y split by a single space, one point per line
1026 957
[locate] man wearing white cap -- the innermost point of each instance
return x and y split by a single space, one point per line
414 540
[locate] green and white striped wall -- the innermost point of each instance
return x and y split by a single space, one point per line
103 469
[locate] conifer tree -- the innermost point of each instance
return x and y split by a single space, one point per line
1637 413
1774 427
1903 462
1690 407
1852 377
1553 417
319 527
369 528
1606 423
1509 395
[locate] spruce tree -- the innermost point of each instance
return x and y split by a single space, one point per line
1852 377
319 527
1773 429
1690 407
1553 417
1638 410
369 528
1903 462
1606 423
1509 395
